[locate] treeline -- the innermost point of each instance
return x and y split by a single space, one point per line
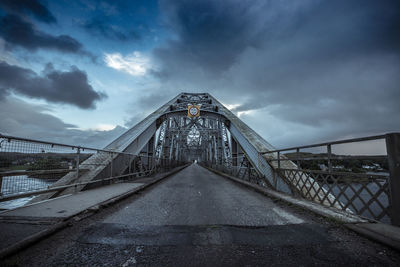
348 163
38 161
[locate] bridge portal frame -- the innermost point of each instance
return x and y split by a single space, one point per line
136 138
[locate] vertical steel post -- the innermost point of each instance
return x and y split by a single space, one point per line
329 150
279 159
111 166
248 170
78 151
297 158
130 166
393 154
1 184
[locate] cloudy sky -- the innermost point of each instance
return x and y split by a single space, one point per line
298 72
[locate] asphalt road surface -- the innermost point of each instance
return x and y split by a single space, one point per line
196 196
197 218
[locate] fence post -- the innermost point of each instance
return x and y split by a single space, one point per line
329 150
78 151
111 167
393 154
248 171
130 166
279 159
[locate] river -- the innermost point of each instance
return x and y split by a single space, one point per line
19 184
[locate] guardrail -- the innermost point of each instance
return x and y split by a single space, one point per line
327 179
240 168
30 167
370 195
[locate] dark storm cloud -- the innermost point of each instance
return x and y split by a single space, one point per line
29 7
145 104
210 35
18 32
70 87
19 118
322 64
99 27
213 34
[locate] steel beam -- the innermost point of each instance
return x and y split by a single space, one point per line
132 141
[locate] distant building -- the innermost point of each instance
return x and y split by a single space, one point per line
368 167
338 167
323 167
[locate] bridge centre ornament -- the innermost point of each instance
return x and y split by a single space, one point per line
193 111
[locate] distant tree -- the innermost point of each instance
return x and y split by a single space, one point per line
357 170
45 164
5 162
310 165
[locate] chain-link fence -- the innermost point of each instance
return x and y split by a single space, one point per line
30 167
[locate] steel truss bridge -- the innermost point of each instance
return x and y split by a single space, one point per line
216 139
196 207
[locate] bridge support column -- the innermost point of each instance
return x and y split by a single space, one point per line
220 151
167 141
234 152
209 152
150 151
393 152
237 156
214 150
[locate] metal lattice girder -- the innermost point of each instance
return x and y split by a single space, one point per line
184 138
254 145
226 147
132 141
160 139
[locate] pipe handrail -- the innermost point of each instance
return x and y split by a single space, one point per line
352 140
82 148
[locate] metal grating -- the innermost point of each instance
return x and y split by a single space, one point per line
363 194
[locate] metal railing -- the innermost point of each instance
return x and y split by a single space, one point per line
338 181
333 180
240 168
30 167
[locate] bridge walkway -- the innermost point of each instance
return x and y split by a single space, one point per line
197 218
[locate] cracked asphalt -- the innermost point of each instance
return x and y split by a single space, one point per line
197 218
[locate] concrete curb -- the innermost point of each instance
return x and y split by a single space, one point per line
383 233
388 235
30 240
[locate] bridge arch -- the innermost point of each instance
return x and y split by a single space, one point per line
216 138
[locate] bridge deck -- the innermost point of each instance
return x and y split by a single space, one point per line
69 205
196 196
198 218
